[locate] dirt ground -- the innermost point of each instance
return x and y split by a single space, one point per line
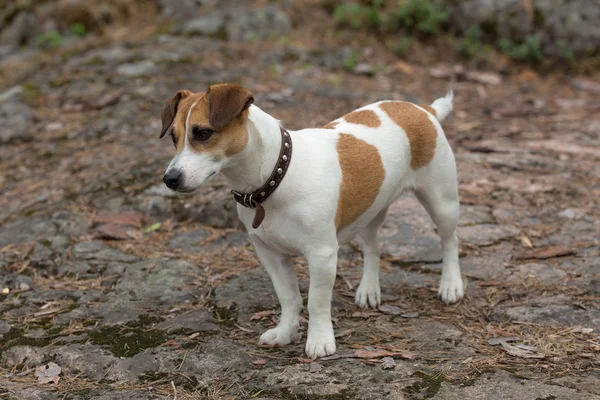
137 293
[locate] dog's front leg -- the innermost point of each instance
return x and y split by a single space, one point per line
281 271
322 265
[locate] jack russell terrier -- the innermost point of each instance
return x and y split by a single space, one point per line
336 182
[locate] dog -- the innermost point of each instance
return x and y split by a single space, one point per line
306 192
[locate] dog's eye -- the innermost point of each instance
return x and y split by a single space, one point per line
173 138
201 134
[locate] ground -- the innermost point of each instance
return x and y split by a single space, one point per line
136 293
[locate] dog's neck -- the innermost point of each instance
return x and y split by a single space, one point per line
248 170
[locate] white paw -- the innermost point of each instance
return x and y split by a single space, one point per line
279 337
320 343
451 289
368 294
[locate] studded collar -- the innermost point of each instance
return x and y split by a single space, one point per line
256 198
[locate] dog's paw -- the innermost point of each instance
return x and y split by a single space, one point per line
451 289
320 343
279 337
368 295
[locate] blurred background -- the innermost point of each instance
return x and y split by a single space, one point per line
90 239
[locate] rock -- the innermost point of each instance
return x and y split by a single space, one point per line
157 282
70 223
15 118
503 384
363 69
247 24
212 25
191 242
26 230
182 9
4 328
572 213
90 360
138 69
99 252
21 31
22 355
192 321
486 234
575 22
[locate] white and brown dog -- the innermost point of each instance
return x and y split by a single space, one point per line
336 183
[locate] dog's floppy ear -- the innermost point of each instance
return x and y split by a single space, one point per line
170 110
226 101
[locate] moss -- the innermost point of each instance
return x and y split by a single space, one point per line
187 382
130 339
15 337
427 388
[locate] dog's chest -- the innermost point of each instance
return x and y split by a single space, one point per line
276 231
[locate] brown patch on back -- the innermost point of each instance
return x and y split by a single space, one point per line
363 117
362 176
331 125
429 109
422 134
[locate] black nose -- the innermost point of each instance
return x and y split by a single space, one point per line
172 178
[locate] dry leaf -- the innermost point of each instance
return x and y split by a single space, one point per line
345 332
392 310
404 67
378 353
48 373
363 314
545 252
525 241
260 361
517 352
499 340
262 314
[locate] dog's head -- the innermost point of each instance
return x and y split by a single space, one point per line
207 128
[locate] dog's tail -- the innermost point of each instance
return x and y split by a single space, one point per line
443 106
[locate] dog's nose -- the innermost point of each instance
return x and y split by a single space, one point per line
172 178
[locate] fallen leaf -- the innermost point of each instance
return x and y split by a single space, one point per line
260 361
586 85
545 252
113 231
378 353
363 314
410 315
388 363
262 314
6 290
527 347
499 340
48 373
525 241
517 352
488 78
132 218
306 360
107 100
404 67
345 332
390 309
154 227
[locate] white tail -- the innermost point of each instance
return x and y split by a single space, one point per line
443 106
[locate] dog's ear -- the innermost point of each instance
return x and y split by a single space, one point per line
170 110
226 101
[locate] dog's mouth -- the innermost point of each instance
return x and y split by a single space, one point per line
188 190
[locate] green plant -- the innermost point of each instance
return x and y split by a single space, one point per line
529 50
566 53
351 59
401 46
79 29
49 40
356 15
471 45
424 16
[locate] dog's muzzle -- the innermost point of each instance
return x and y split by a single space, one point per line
173 178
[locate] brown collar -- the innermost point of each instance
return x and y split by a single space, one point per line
256 198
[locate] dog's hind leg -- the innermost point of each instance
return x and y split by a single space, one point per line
281 271
369 292
440 199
